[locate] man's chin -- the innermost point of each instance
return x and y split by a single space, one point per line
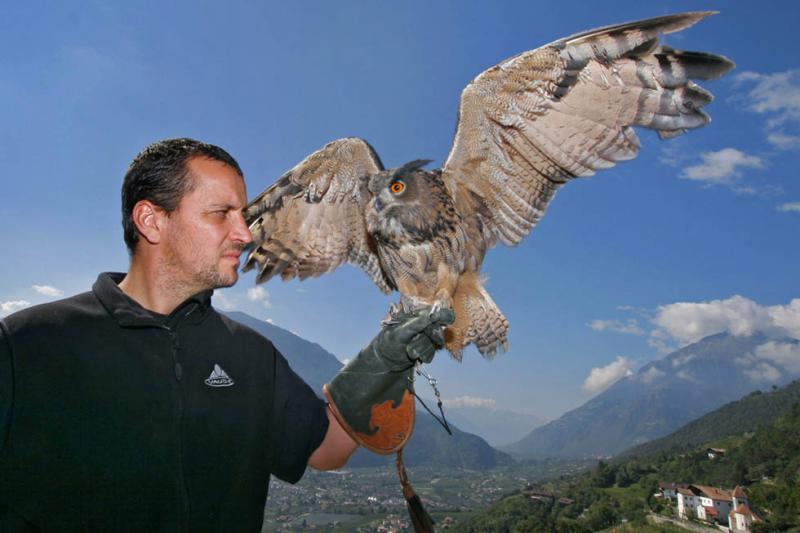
221 280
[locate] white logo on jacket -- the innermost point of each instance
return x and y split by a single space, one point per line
218 378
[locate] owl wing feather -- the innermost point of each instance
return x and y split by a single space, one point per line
311 220
531 123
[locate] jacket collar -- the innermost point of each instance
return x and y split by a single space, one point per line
128 313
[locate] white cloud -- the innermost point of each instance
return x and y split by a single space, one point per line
682 360
685 375
769 361
783 141
224 301
758 370
601 378
6 308
722 167
259 294
631 327
783 354
777 96
659 340
790 206
470 401
687 322
763 372
651 374
48 290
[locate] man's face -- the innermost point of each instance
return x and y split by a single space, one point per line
207 232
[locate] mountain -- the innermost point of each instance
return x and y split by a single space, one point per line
744 415
310 360
663 396
497 426
429 444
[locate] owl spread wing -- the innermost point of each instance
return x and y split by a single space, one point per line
531 123
311 220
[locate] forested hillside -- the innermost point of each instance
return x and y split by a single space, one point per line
765 462
755 409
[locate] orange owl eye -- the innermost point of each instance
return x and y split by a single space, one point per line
397 187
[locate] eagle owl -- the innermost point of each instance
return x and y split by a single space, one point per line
525 127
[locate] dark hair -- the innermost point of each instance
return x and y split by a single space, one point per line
159 174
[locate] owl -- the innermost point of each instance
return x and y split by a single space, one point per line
526 127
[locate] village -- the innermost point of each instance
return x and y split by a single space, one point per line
727 510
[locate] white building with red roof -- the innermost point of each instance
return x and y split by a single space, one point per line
709 504
741 518
715 504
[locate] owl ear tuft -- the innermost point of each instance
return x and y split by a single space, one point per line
411 166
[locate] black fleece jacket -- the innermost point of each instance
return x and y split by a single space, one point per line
113 418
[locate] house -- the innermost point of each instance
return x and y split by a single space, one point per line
709 504
715 504
713 453
741 518
669 491
538 494
688 500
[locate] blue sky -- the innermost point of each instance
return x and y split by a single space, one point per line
709 220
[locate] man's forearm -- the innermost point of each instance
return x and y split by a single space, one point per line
335 449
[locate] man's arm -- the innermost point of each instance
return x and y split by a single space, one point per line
335 449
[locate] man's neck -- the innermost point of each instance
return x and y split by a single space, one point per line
153 289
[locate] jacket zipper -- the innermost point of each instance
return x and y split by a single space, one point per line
178 374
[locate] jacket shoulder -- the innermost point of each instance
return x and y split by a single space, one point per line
53 314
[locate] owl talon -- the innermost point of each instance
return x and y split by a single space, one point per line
395 309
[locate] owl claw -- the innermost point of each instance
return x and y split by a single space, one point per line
391 315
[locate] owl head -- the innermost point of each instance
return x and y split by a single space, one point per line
406 202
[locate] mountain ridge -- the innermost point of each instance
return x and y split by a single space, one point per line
661 397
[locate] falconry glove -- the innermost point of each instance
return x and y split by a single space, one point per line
372 397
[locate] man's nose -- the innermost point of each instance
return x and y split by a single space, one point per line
241 232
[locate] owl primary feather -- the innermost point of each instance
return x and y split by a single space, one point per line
525 127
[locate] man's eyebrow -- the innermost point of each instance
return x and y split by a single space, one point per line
226 207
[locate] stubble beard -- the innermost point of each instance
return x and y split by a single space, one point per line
216 279
187 276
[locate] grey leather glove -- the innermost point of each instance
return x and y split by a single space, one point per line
372 396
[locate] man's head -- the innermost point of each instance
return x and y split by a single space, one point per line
159 174
182 200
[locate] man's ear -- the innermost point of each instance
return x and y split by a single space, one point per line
149 220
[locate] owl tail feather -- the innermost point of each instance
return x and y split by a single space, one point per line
478 319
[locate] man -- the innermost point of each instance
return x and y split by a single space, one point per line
136 406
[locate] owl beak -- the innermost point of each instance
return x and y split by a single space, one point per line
378 204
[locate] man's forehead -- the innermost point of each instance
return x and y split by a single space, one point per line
215 179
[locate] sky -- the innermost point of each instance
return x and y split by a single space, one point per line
698 235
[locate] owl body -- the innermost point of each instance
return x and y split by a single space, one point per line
526 127
420 234
425 250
